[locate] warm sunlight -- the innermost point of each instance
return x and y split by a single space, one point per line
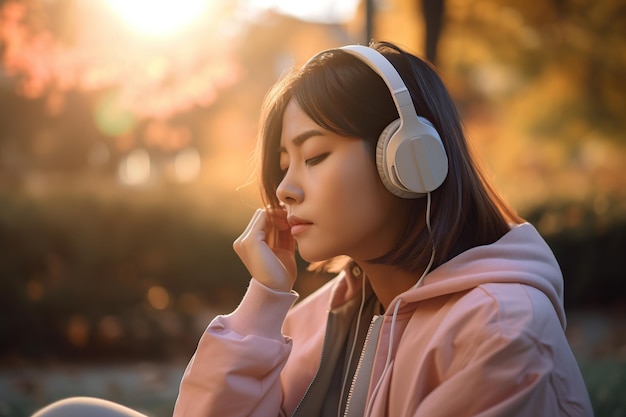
158 17
326 11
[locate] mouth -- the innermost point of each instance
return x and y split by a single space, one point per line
298 225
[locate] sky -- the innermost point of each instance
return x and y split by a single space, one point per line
162 17
325 11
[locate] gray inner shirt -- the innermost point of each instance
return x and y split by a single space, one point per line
345 368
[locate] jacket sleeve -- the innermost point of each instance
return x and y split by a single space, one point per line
511 377
236 367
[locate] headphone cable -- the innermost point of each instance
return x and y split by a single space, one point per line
397 307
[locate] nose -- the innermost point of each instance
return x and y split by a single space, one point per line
288 191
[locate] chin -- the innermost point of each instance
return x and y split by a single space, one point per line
313 256
313 259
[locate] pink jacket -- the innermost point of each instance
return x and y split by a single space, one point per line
483 336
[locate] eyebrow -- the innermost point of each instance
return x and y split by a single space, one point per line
301 138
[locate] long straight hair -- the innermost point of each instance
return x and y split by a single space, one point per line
344 95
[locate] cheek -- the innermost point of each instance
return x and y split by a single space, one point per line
357 191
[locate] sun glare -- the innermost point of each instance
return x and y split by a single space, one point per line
325 11
158 17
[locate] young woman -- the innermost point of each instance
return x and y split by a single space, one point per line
446 302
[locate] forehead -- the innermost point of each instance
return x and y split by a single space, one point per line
295 122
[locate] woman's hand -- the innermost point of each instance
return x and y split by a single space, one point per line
267 249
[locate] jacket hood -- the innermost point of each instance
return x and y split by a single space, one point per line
520 256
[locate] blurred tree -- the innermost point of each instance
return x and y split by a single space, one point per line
574 47
433 12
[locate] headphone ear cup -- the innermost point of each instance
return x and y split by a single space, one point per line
385 172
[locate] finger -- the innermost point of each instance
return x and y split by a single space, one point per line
285 240
278 218
277 223
239 245
251 225
253 221
282 238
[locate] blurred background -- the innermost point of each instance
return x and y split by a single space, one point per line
126 134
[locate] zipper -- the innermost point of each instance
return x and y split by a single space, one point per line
324 348
368 338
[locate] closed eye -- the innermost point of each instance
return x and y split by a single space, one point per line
316 159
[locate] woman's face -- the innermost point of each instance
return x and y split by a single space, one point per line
335 201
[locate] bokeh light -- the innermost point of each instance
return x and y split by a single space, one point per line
158 297
159 17
78 330
187 165
111 117
135 168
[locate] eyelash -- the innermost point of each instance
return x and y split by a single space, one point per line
315 160
309 162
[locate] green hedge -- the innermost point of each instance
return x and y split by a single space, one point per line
591 250
79 260
76 273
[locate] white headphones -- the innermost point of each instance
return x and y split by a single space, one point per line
410 155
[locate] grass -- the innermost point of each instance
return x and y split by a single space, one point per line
152 388
606 383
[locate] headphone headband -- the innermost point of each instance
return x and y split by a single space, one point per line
388 73
410 155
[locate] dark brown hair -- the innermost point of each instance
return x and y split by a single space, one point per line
344 95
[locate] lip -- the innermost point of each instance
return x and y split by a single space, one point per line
297 225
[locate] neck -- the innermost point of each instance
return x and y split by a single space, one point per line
388 281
